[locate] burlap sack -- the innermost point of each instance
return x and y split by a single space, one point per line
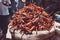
57 27
39 35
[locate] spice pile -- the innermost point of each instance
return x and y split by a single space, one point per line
31 18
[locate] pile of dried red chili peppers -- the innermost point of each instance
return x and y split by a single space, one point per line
31 18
